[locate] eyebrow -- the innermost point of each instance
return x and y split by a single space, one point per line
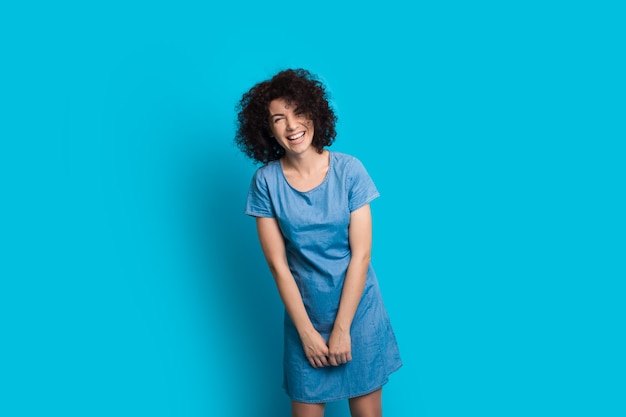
277 114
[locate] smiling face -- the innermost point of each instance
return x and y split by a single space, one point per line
292 129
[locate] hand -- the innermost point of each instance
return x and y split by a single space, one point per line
315 348
339 347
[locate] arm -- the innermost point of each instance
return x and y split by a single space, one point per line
273 246
360 237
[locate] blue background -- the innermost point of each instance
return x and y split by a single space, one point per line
133 284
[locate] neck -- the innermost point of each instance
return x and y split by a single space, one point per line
305 164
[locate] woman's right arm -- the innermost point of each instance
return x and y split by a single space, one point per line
273 246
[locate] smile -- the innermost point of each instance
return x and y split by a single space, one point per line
296 136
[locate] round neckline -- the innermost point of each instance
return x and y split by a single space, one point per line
330 164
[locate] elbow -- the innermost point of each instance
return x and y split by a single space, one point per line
272 267
276 266
362 258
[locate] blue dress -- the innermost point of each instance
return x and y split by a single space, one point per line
314 225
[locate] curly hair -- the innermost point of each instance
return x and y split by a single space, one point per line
297 86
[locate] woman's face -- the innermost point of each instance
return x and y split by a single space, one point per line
292 129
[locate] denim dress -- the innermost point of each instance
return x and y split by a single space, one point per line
314 225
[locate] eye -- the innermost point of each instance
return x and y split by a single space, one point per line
278 119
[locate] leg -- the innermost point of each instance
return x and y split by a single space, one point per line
299 409
369 405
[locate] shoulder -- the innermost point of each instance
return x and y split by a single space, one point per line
348 164
344 161
269 170
361 188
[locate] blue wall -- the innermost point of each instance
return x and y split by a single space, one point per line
132 284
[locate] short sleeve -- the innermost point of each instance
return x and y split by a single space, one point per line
258 203
361 188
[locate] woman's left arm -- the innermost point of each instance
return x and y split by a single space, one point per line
360 238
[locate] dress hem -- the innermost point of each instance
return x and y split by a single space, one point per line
343 397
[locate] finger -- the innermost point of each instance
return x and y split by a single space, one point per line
333 360
348 357
324 360
315 362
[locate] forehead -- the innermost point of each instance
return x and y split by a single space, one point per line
279 105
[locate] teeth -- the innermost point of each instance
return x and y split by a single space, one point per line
299 135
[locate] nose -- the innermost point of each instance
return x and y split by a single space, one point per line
291 123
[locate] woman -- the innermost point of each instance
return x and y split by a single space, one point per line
314 225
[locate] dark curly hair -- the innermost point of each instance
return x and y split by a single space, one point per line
297 86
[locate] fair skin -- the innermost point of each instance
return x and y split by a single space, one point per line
305 168
369 405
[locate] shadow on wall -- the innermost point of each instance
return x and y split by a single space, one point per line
235 272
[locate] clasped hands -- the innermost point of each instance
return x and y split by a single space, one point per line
319 354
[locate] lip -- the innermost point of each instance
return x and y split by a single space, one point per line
298 135
298 140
